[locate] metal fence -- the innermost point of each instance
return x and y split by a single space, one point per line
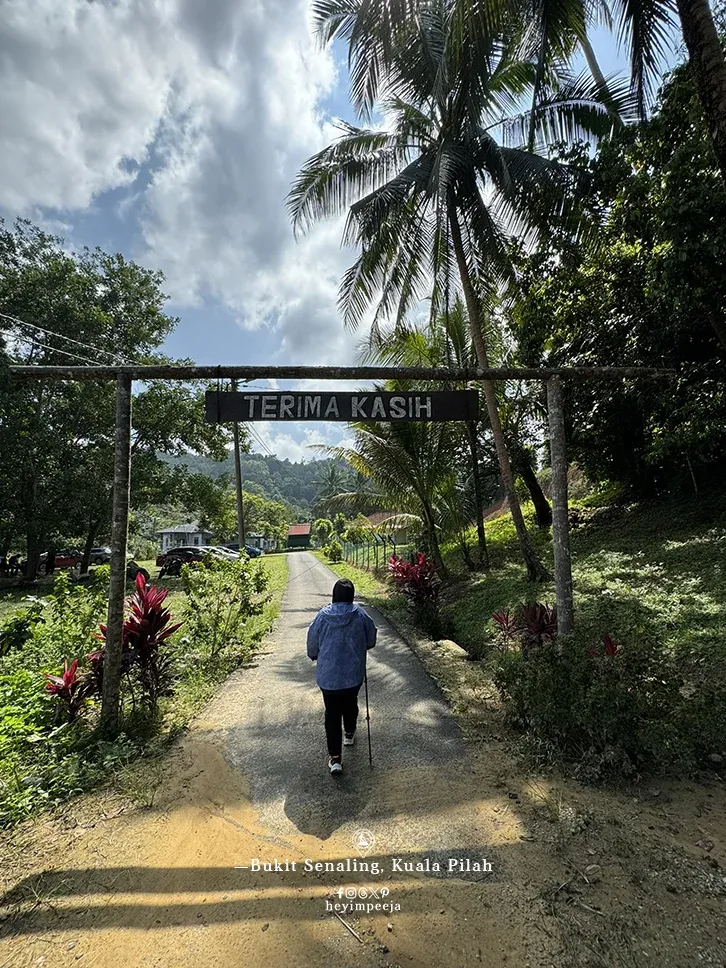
374 553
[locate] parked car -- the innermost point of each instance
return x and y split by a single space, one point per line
249 550
67 558
193 552
186 553
100 556
222 552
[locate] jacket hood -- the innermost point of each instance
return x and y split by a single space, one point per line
340 613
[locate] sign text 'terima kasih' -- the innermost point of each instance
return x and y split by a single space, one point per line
222 406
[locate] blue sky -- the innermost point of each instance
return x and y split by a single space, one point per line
170 130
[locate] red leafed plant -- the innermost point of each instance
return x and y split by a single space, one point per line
145 630
507 624
610 648
417 580
72 688
531 625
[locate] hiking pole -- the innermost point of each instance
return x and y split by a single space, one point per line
368 721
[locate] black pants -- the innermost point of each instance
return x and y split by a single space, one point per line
340 704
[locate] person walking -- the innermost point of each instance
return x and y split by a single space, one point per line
338 639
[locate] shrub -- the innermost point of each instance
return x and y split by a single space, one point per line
18 629
421 585
615 710
72 688
221 598
145 631
531 625
334 551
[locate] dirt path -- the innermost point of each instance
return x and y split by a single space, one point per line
577 876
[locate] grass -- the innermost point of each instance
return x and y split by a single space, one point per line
653 570
43 765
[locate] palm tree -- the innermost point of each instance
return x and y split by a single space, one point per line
550 31
434 195
445 342
410 463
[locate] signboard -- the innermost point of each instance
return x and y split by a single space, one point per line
225 407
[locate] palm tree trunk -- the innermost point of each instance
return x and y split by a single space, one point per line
707 56
542 509
599 78
433 540
478 496
535 569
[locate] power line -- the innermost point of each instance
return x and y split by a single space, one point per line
254 433
68 339
33 341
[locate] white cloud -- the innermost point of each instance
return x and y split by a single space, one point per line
202 112
298 444
83 87
214 215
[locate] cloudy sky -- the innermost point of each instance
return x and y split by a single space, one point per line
170 130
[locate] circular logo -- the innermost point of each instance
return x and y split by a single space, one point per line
363 841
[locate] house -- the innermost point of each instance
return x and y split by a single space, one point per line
298 536
256 540
400 534
183 534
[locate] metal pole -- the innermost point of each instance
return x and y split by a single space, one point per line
238 483
560 515
111 696
368 721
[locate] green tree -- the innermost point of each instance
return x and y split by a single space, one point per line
435 194
57 438
653 294
322 530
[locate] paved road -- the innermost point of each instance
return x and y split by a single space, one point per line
274 721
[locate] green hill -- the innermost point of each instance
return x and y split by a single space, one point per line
294 483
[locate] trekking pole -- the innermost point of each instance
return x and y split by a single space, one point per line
368 721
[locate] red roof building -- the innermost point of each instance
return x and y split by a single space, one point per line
298 536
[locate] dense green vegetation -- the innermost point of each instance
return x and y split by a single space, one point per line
651 577
300 485
49 744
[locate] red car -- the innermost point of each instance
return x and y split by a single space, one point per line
63 559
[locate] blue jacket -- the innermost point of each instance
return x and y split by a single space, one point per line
339 638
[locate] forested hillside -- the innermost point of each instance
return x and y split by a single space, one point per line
297 484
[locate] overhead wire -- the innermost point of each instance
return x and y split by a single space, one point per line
33 341
49 332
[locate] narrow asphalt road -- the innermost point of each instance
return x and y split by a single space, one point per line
273 715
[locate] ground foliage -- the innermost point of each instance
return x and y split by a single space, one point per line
49 745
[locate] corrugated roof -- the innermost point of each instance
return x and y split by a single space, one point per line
191 528
298 529
379 516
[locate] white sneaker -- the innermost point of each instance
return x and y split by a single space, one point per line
335 766
348 739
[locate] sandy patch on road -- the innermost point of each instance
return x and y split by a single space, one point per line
112 885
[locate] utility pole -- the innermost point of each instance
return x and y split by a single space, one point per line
241 537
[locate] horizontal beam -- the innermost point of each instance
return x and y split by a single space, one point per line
245 373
